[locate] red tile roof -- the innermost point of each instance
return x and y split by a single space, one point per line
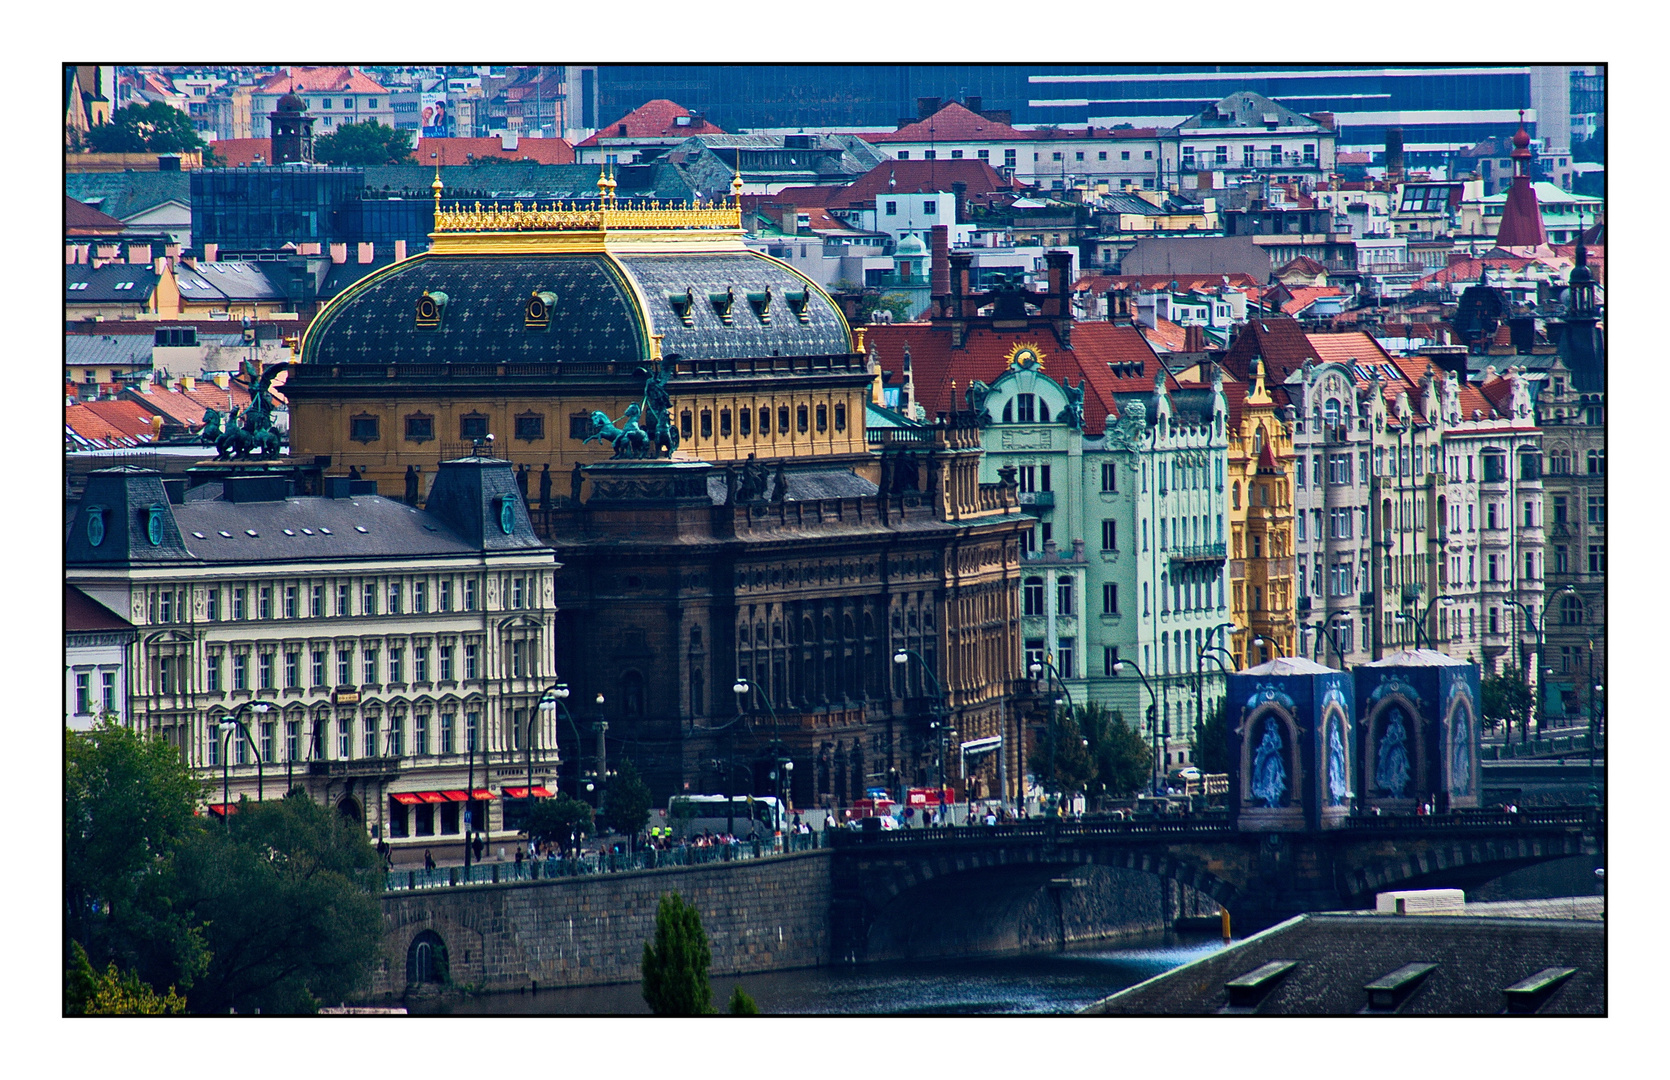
108 428
238 152
83 220
335 77
953 123
1303 264
459 151
1165 336
1303 296
919 177
935 365
1101 283
1280 341
1521 219
653 119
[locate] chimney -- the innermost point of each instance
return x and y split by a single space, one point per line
1394 154
72 254
172 251
939 252
400 251
189 382
1060 265
139 254
959 194
339 254
1458 257
365 254
1194 339
159 266
961 302
211 252
909 387
1119 306
972 103
1326 119
926 107
222 380
309 248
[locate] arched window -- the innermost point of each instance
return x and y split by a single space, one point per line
1235 495
1330 412
1597 462
426 960
1571 610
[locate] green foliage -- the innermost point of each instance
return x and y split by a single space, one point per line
156 128
1060 760
1124 759
742 1004
128 807
558 819
1210 750
675 963
88 993
1505 699
368 143
287 892
626 805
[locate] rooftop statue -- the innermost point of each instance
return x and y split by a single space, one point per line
646 430
255 434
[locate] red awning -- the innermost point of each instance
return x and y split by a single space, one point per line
541 793
481 793
223 808
432 796
514 793
457 796
408 798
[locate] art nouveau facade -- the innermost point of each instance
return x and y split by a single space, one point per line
399 654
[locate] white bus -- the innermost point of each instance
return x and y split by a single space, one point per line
750 815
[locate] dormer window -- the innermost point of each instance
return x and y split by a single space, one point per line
430 308
683 305
537 313
761 303
722 304
797 304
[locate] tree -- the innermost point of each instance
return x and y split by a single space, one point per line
1060 759
156 128
1211 742
369 143
1504 699
742 1004
558 819
287 893
114 993
675 963
1124 760
128 807
626 804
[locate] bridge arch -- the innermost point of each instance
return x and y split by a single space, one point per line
1458 863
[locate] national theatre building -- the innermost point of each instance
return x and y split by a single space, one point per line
750 579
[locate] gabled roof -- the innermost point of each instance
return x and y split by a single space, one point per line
1280 341
217 281
1303 264
656 119
953 123
459 151
83 220
109 423
919 178
126 195
935 365
83 614
1101 283
335 78
1301 297
1245 109
90 350
237 153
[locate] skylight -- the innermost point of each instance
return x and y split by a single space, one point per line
361 528
251 532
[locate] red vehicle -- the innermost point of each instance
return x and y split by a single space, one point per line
927 796
862 808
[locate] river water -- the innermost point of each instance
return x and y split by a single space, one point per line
1032 984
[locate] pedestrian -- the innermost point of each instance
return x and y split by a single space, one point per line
518 854
428 859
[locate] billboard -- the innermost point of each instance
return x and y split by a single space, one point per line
436 115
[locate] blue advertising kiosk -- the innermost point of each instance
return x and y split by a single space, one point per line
1418 738
1291 746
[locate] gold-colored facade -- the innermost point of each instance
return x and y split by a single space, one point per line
1260 468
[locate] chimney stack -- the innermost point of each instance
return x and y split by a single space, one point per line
1194 338
1060 265
211 252
961 302
926 107
972 103
365 254
339 254
1394 155
959 193
939 252
139 254
72 254
399 251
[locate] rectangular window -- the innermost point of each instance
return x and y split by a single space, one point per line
724 423
445 595
1560 510
420 734
530 427
420 597
471 664
1530 514
1110 477
1044 478
1032 596
211 605
292 670
316 602
266 742
345 667
371 742
397 735
1597 509
745 422
212 672
472 726
1110 598
518 658
447 722
516 595
397 665
292 740
1530 564
345 737
1110 535
800 419
1110 660
1597 558
469 594
342 602
266 602
1064 596
319 667
83 693
266 670
1064 659
420 663
368 598
368 666
240 671
1562 559
782 420
892 209
394 597
929 206
446 662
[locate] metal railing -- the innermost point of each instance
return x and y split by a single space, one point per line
500 873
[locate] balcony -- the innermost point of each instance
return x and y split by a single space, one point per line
356 767
1205 553
1038 499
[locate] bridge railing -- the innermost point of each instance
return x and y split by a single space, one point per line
498 873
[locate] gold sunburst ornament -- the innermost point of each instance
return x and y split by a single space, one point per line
1026 354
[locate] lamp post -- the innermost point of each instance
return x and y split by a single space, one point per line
1275 647
1037 668
1154 709
901 656
556 697
1322 629
1200 671
1420 626
226 726
1594 730
1541 628
602 728
741 689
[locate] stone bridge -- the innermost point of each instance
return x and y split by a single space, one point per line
946 891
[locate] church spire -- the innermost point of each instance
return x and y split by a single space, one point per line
1521 219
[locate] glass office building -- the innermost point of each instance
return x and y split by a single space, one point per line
265 207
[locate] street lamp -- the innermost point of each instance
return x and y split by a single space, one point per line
602 728
1420 626
225 727
901 656
1154 713
556 697
1274 647
1541 628
1200 671
1322 629
1037 668
741 689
